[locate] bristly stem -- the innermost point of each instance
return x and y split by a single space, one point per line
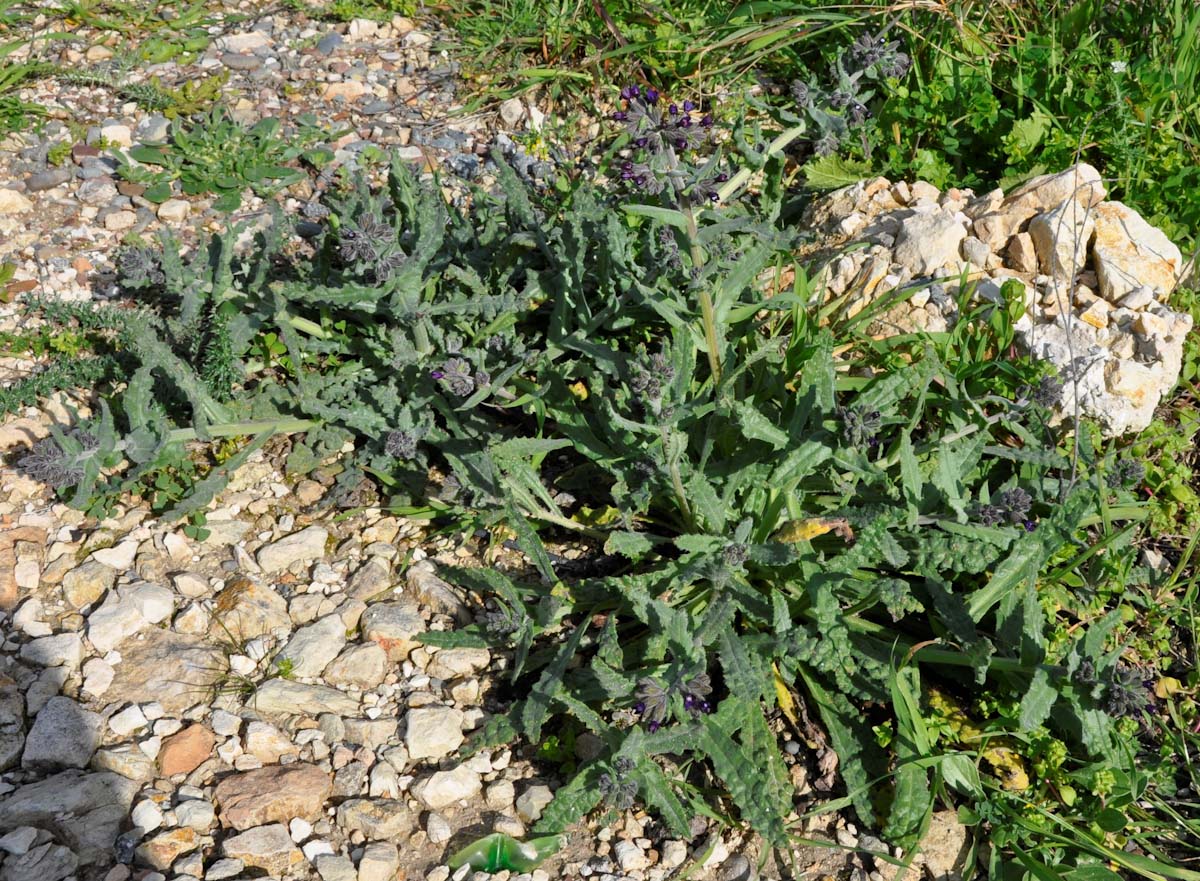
706 304
776 146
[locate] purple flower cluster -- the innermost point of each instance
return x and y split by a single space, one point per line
657 126
654 700
666 133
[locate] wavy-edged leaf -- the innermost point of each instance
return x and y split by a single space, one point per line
658 792
751 770
536 708
571 803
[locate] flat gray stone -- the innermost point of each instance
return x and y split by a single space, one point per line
281 697
50 862
84 811
174 669
311 648
64 735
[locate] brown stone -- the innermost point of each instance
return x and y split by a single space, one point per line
162 850
183 752
269 848
274 794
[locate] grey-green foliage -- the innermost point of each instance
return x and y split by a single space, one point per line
774 555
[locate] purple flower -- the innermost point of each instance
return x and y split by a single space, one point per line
689 106
651 95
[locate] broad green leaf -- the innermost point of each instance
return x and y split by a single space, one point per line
658 792
448 639
571 803
752 770
756 426
669 216
1038 700
832 172
536 708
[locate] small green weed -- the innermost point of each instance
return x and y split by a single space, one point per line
219 155
376 10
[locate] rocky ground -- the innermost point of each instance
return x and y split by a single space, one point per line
258 703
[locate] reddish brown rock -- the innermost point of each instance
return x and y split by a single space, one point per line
183 752
274 794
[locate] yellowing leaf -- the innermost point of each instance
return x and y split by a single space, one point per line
803 530
606 516
783 696
579 390
1166 687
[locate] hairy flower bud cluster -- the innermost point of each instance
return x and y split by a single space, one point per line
619 788
654 700
371 246
401 444
860 427
1128 472
1010 506
650 375
139 267
50 463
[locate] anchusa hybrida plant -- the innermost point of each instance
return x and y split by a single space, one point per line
837 104
674 160
784 540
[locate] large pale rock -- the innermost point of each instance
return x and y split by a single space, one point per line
267 743
1130 253
311 648
269 848
163 849
282 697
246 609
380 862
173 669
532 802
1119 393
436 593
127 611
12 202
60 650
83 811
929 241
371 579
362 666
1037 196
1061 237
393 626
432 732
303 546
944 847
463 661
1040 194
272 795
64 735
378 819
87 582
446 788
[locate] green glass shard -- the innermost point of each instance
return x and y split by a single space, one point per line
498 852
